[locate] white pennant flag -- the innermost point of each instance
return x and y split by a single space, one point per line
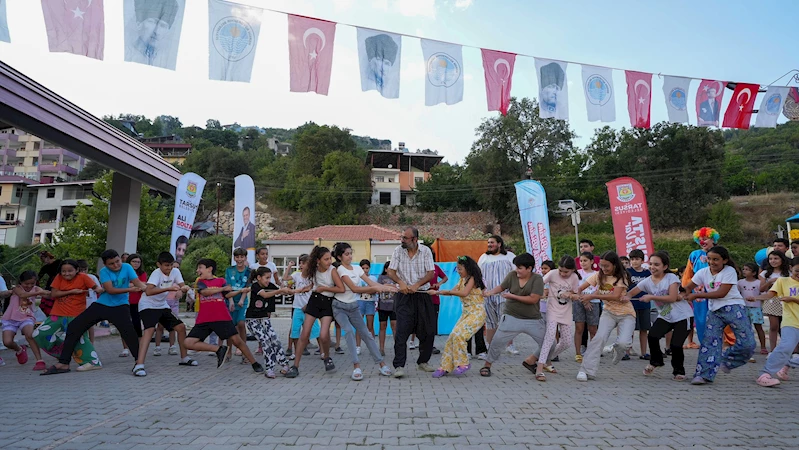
600 98
233 36
379 56
553 89
771 106
443 73
4 35
152 31
675 90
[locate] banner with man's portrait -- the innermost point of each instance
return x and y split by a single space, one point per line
244 232
152 31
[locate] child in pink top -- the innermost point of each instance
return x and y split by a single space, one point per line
562 283
19 317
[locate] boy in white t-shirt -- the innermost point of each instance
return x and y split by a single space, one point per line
154 309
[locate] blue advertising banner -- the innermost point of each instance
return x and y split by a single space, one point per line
535 220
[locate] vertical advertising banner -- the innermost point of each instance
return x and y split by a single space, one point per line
244 217
187 200
535 220
630 217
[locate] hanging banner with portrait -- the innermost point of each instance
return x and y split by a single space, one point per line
187 201
244 218
152 31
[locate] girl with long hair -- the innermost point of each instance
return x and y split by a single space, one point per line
470 289
611 282
326 284
776 266
725 307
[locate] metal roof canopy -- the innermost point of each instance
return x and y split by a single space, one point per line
30 106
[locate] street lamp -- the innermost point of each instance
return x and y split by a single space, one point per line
218 186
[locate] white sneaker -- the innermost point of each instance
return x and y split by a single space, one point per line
125 353
482 356
357 350
512 350
581 376
607 349
412 345
173 349
157 351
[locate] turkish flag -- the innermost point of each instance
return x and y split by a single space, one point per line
310 53
639 97
739 111
498 68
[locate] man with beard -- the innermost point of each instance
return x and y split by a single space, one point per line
412 268
496 263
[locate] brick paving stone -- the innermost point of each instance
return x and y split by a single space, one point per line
202 407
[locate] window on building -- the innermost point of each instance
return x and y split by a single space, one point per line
380 179
385 198
390 180
18 193
418 180
1 190
9 217
50 192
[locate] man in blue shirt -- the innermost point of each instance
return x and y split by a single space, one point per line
112 305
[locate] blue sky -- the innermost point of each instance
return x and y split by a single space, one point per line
729 40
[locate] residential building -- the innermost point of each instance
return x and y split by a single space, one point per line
17 208
280 148
396 173
171 148
25 155
56 202
370 242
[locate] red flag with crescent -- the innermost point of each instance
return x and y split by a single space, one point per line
498 68
639 97
310 53
739 111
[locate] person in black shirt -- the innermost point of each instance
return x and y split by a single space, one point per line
262 304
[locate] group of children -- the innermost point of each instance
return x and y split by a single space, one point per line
328 286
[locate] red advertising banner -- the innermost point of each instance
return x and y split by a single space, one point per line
630 217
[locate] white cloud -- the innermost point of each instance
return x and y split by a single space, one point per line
463 4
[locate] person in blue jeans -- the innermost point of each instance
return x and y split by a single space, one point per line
706 237
726 307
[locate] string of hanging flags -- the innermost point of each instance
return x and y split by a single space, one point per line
152 31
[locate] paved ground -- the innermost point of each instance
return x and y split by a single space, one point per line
202 407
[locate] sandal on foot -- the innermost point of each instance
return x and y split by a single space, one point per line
439 373
189 362
763 351
530 367
460 370
357 375
550 368
53 370
540 376
649 369
679 378
485 372
578 358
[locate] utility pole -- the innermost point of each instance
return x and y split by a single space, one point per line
218 186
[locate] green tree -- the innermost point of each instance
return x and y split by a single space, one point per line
92 171
218 164
448 189
213 124
216 247
506 147
680 168
83 235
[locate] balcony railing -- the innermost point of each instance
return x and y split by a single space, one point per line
58 168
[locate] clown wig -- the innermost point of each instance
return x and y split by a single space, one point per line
706 232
